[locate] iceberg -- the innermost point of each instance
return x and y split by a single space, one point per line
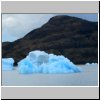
91 64
7 63
42 62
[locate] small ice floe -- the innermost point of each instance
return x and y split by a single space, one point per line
42 62
91 64
7 63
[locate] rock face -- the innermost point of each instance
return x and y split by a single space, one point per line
75 38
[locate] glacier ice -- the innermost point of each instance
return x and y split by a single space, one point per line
91 64
7 63
42 62
39 57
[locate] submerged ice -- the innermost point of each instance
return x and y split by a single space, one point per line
42 62
7 63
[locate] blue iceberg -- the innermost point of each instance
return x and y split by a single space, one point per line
42 62
7 63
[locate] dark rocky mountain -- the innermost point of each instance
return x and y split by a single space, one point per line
72 37
5 43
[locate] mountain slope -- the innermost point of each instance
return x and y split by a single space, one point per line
72 37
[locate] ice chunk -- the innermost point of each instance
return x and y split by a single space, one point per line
91 64
41 62
38 57
25 67
7 63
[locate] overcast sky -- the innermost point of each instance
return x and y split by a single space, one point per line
15 26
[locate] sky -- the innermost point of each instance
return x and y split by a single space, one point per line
15 26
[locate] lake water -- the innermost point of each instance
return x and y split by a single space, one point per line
88 77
